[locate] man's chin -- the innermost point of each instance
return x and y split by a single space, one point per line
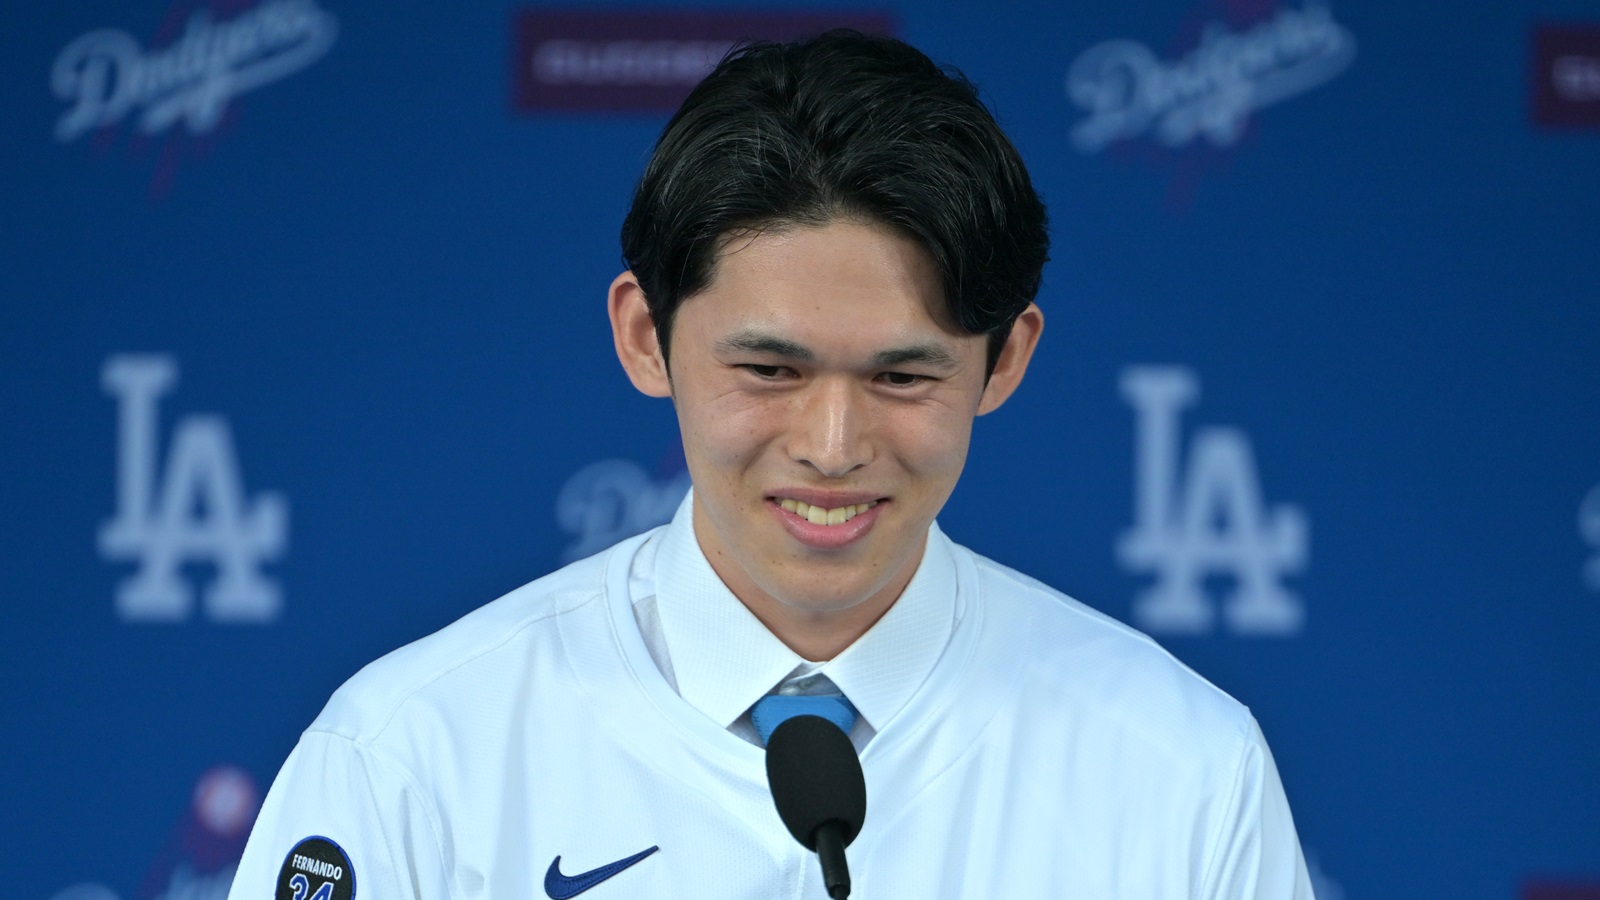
830 592
820 606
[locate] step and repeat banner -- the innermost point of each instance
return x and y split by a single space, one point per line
305 355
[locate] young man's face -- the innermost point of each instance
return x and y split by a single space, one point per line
819 371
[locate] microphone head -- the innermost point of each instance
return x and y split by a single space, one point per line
815 778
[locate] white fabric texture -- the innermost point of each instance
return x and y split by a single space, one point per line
1029 747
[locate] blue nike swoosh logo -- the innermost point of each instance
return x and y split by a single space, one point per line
560 887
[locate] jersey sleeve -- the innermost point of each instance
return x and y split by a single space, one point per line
1256 853
338 814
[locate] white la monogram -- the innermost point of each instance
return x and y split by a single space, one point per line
196 513
1213 522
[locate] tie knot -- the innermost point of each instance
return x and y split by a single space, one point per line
775 709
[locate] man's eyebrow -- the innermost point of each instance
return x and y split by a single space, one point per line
757 342
927 354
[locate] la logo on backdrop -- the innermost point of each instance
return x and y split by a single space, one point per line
200 60
1202 517
195 512
1232 59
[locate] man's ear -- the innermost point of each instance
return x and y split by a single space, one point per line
1013 361
634 332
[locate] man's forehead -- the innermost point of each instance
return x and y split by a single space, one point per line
842 289
854 253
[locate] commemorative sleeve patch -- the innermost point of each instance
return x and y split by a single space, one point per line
316 869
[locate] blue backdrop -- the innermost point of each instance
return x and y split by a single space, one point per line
305 355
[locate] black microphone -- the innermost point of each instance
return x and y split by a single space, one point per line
820 792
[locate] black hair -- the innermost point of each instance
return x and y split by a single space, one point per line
843 125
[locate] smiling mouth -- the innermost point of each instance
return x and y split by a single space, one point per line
818 515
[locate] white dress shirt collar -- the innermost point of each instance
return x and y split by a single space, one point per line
721 659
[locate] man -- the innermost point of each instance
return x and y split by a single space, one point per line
832 256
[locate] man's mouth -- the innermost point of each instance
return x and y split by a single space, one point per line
818 515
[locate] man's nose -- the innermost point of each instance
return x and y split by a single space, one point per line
831 432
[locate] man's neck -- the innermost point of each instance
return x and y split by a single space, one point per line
817 636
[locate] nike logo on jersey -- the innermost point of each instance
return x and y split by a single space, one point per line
560 886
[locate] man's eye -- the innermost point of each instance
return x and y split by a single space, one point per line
763 371
902 379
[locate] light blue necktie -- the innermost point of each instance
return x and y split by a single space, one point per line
775 709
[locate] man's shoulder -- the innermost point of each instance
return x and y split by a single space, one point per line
486 645
1098 670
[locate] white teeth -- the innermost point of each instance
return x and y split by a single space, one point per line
817 515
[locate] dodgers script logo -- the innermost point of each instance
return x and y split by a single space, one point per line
197 512
106 75
612 499
1212 521
1210 93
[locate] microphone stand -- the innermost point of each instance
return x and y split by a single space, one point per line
830 851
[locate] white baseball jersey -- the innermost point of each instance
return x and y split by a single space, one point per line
535 748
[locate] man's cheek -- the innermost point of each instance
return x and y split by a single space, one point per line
736 427
933 442
725 403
